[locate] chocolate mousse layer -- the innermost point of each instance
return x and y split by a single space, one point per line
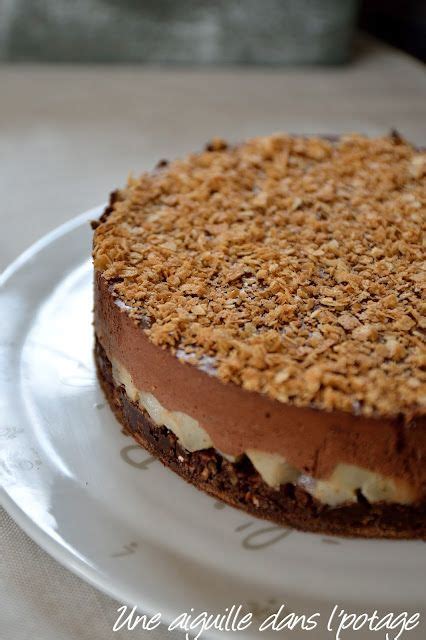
239 485
236 420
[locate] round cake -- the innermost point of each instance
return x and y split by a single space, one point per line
259 327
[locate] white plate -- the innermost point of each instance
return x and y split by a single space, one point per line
109 512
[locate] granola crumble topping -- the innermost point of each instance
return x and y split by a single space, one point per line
293 266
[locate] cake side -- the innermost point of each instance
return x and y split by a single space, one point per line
336 455
239 485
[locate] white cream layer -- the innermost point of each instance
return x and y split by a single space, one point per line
341 487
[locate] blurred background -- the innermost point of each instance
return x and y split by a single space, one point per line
204 31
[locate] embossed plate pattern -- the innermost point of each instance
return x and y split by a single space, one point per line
107 510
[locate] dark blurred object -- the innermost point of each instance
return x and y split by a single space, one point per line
401 23
178 31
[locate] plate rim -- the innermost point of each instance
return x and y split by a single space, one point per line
54 548
69 225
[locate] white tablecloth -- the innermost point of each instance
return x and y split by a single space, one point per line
69 135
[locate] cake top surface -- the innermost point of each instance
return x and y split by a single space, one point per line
291 266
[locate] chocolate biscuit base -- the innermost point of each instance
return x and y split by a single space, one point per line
239 485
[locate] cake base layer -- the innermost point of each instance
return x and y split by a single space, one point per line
239 484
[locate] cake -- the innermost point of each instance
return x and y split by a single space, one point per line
259 327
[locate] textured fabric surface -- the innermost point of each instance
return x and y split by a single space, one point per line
68 136
41 600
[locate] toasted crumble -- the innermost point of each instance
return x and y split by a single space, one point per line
293 265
